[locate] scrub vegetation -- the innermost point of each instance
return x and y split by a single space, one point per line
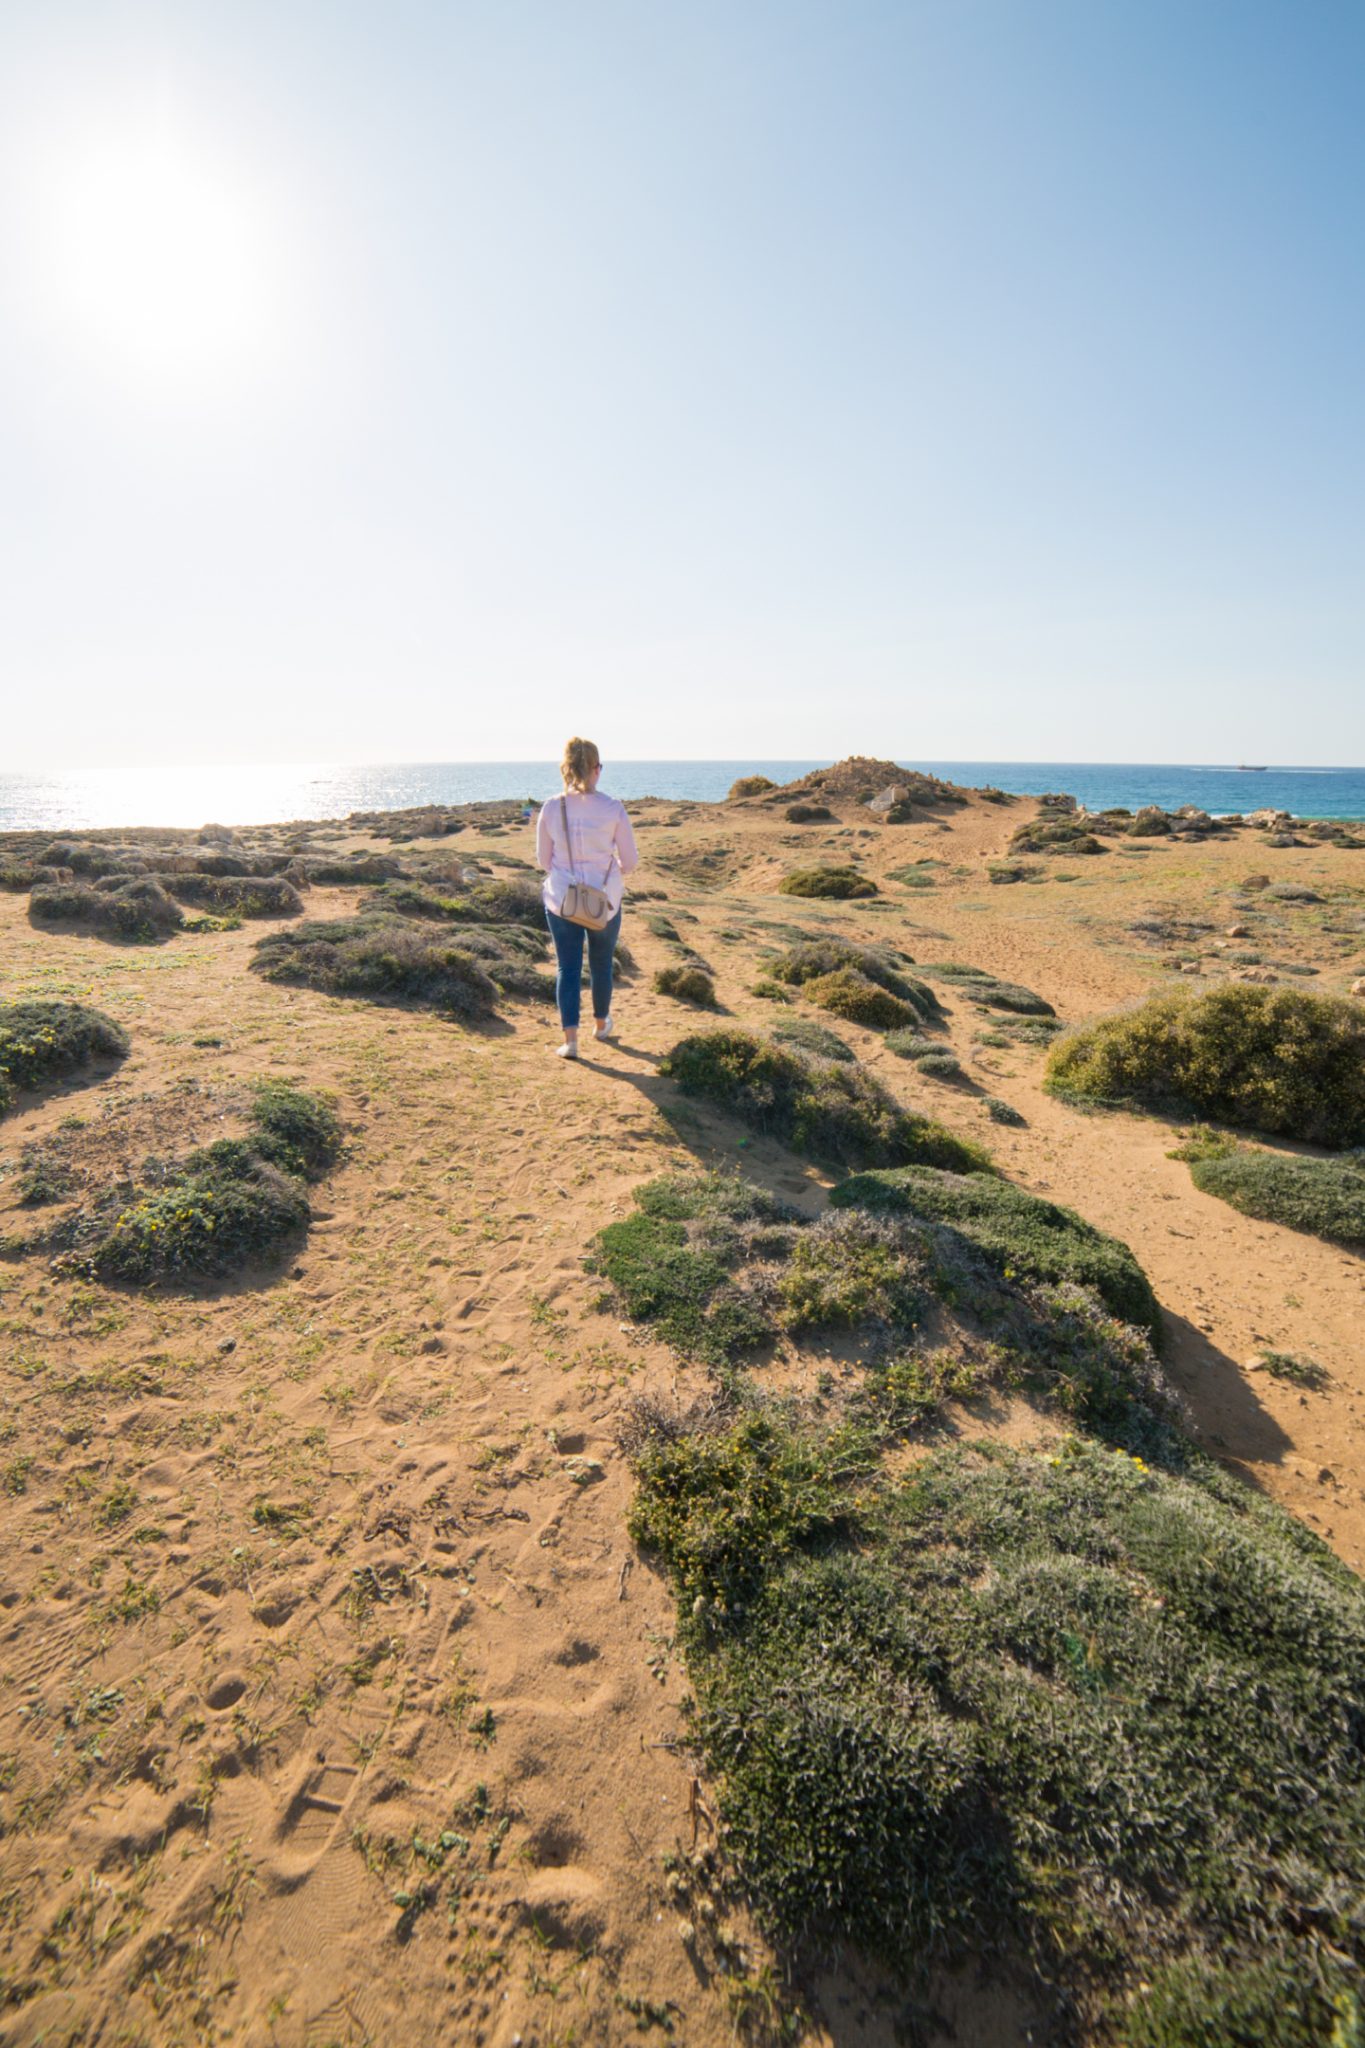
391 959
1277 1060
829 1111
1325 1197
1091 1705
844 884
42 1043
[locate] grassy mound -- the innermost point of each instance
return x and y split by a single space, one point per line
364 870
815 958
989 992
232 1204
1325 1197
824 1109
248 895
849 994
670 1263
1020 1233
769 991
808 1036
44 1041
1103 1715
808 814
396 960
841 883
686 985
1272 1059
137 909
750 785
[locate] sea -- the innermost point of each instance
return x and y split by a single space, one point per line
190 796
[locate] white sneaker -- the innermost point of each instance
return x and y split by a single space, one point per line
566 1052
606 1030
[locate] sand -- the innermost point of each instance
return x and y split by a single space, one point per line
337 1705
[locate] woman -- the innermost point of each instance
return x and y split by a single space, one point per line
599 850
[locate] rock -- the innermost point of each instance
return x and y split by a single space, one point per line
1238 931
1270 818
887 799
1281 839
1358 986
1254 882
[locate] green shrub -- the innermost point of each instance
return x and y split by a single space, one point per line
394 960
231 1203
1024 1236
827 1110
769 991
854 1268
1001 1112
297 1131
137 910
687 985
808 1036
942 1066
1325 1197
41 1042
364 870
248 895
670 1262
842 883
913 1045
807 814
1006 995
750 785
1065 1704
210 1219
850 995
1276 1060
812 959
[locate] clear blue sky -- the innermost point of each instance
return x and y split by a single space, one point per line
418 381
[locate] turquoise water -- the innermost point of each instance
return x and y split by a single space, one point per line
194 796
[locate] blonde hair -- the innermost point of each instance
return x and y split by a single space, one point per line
580 759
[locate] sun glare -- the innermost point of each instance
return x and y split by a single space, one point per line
158 254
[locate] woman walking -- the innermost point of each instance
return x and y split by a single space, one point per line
586 847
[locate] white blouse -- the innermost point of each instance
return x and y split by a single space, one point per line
601 848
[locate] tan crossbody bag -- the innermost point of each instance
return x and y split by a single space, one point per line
582 903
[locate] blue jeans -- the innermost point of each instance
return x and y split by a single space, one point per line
568 940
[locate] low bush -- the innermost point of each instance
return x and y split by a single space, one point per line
814 958
232 1203
211 1219
912 1044
1023 1235
841 883
686 985
17 876
750 785
137 910
823 1108
851 995
42 1042
365 870
940 1065
1063 1704
394 960
670 1263
770 991
808 814
808 1036
852 1269
247 895
1272 1059
1324 1197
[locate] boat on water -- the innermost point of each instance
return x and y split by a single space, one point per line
1251 767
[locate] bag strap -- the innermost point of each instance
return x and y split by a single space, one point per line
568 843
